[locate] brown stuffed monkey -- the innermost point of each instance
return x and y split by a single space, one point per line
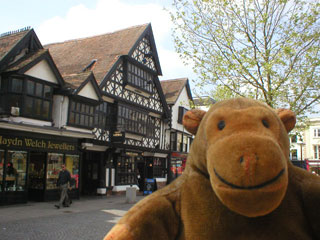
238 183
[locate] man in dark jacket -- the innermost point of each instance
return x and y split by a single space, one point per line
63 182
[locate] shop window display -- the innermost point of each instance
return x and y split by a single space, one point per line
55 160
126 170
16 171
72 165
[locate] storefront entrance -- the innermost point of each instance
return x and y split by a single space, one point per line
36 176
90 172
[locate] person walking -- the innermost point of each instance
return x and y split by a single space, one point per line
63 182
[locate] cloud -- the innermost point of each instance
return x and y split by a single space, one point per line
111 15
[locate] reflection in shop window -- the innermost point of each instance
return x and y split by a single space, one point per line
1 169
16 171
72 165
55 161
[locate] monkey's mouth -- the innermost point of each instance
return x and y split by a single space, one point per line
268 182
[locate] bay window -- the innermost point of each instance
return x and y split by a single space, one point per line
33 98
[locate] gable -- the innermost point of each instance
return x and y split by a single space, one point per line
183 99
14 46
43 71
88 91
145 52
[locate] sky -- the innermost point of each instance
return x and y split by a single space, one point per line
60 20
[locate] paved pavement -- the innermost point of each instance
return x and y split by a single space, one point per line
86 218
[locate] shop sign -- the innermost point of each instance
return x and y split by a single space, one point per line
118 137
179 155
25 142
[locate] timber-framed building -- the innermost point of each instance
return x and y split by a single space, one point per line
95 104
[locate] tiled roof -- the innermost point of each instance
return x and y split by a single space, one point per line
72 56
7 42
172 89
75 80
27 59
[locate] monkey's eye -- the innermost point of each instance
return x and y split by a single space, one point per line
221 125
265 123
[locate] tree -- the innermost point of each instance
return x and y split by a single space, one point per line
263 49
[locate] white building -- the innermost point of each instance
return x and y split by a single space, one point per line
179 99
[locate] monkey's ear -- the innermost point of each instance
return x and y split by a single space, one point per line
191 120
287 117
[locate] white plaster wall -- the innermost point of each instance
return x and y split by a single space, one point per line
310 140
43 71
60 110
89 92
183 101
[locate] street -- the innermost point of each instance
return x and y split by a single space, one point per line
87 218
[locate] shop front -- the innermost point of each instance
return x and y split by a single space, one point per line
30 165
178 163
133 168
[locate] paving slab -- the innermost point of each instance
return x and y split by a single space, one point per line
86 218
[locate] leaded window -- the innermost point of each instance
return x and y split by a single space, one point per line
140 78
32 98
126 170
102 116
80 114
132 120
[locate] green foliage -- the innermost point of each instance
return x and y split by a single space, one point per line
263 49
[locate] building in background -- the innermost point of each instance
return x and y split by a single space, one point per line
203 103
35 135
95 104
179 99
311 145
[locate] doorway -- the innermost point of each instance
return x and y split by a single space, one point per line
91 173
36 176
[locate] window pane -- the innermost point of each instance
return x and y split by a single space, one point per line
72 165
14 101
78 107
39 88
16 85
83 108
16 171
55 161
86 120
72 106
28 105
45 109
81 119
47 92
37 107
71 117
77 118
30 87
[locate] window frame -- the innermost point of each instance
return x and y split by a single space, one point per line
138 76
132 120
22 96
80 110
181 112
